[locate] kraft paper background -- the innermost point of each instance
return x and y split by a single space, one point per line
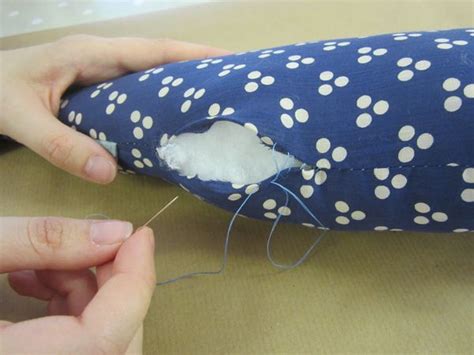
373 292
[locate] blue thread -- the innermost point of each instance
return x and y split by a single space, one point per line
277 220
299 201
270 236
226 249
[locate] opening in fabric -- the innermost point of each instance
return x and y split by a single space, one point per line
225 152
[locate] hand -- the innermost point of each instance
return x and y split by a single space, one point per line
34 79
48 258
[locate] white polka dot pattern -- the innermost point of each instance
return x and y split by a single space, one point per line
381 127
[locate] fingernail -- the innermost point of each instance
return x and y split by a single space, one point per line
110 232
100 169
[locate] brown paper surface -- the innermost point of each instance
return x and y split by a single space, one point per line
360 292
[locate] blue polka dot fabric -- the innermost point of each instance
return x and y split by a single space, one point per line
384 125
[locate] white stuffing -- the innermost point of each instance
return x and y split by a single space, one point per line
226 152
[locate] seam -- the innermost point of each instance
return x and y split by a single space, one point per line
134 143
445 165
395 167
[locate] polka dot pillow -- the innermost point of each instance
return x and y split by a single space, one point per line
384 126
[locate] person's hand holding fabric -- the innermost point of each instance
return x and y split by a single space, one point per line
33 80
49 258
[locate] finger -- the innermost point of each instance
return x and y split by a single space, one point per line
104 273
58 243
62 146
54 334
103 58
26 283
76 287
118 309
58 306
4 323
136 345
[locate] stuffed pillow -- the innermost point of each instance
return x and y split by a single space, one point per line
366 133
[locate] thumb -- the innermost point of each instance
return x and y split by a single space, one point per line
62 146
58 243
